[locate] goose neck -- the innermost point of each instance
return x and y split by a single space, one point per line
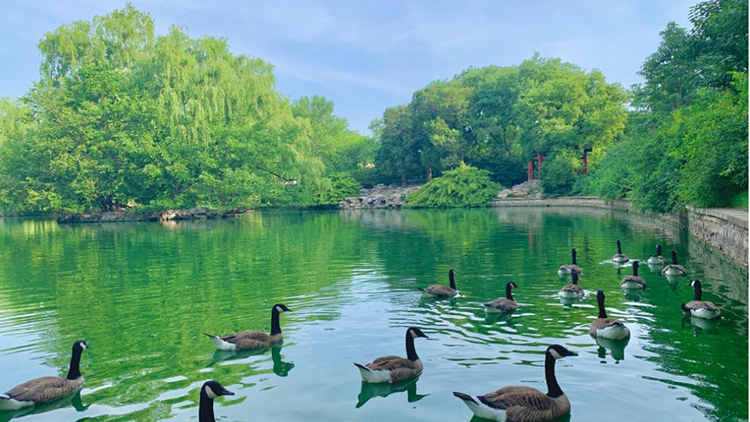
553 388
452 280
602 311
508 291
206 409
75 360
698 291
411 352
574 258
275 326
674 258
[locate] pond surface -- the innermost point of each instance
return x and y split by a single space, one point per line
143 294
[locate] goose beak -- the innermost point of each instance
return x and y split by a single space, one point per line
226 392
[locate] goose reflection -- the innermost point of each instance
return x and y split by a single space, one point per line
702 324
616 347
491 317
369 390
70 400
569 301
280 367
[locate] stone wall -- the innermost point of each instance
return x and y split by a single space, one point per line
380 196
725 229
197 213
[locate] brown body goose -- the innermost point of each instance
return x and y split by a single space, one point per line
395 368
209 391
657 259
572 290
620 257
700 308
633 281
441 290
524 404
674 268
246 340
503 304
607 327
573 267
46 389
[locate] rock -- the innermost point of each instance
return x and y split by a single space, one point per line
380 196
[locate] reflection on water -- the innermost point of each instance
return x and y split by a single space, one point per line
144 293
71 400
369 390
615 347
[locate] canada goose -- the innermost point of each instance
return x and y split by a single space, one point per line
503 304
440 290
607 327
209 391
633 281
524 404
619 257
567 269
393 368
46 389
572 290
674 268
700 308
657 259
249 339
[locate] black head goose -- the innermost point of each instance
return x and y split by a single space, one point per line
620 257
524 404
46 389
573 267
246 340
657 259
633 281
674 268
503 304
441 290
607 327
573 290
394 368
700 308
209 391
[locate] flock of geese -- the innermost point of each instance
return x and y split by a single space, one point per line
508 404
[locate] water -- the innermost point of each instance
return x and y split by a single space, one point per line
143 294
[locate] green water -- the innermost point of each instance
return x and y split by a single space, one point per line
142 294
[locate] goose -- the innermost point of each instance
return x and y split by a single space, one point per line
572 290
503 304
249 339
674 268
209 391
524 404
567 269
441 290
633 281
657 259
45 389
700 308
619 257
607 327
394 368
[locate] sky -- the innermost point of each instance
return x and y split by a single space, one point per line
368 55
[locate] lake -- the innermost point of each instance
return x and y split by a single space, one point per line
143 294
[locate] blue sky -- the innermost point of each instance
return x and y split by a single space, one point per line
366 56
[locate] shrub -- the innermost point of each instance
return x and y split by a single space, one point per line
558 175
464 186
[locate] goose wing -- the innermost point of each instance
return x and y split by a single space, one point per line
440 290
701 304
572 288
44 389
602 323
391 363
247 334
503 304
677 267
634 279
517 399
571 267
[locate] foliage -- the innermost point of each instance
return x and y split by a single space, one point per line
124 118
342 185
559 174
464 186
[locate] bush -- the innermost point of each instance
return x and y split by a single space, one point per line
342 185
464 186
558 176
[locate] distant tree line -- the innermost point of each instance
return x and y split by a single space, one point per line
122 118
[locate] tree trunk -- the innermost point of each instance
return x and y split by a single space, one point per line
429 174
403 179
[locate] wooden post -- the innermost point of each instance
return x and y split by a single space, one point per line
530 170
540 158
586 160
